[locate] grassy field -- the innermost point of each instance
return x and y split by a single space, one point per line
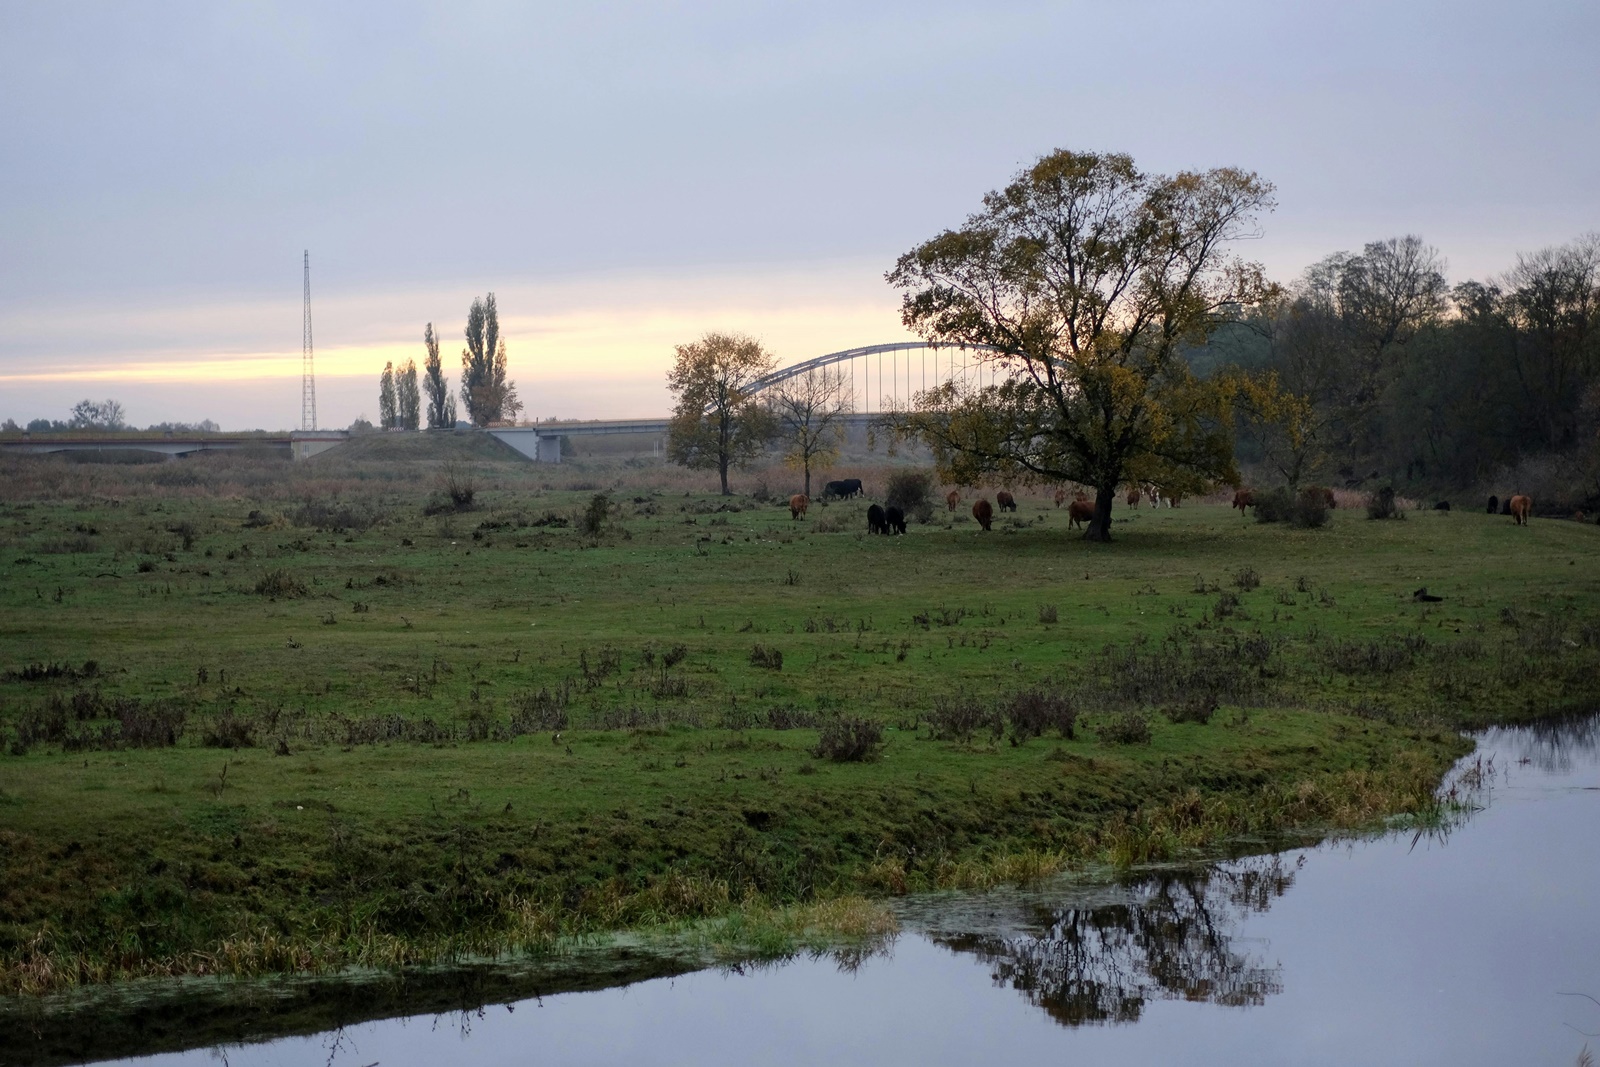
263 717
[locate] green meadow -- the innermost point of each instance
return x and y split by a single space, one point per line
264 717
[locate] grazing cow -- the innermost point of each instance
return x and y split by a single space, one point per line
1326 496
1443 505
1244 498
1522 509
1174 499
983 511
842 489
877 522
951 499
1061 497
1153 495
1134 496
1006 501
1505 506
1079 512
798 504
1494 505
894 520
832 490
852 487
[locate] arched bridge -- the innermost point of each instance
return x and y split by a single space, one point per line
875 378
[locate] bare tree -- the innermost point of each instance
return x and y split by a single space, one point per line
96 415
810 409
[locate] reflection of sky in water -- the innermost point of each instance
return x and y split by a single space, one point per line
1454 951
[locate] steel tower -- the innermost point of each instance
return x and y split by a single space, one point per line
308 378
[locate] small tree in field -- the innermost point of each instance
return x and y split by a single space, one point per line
1083 279
717 423
810 409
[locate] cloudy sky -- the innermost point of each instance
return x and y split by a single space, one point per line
628 176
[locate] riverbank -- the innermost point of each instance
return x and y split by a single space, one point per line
252 732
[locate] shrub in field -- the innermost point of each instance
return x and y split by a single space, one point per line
280 584
595 514
1246 580
1310 509
1048 613
1274 506
912 493
229 730
1031 712
1127 728
961 718
850 739
538 711
1195 708
770 658
1381 505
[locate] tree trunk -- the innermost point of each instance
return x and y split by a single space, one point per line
1099 528
808 477
722 469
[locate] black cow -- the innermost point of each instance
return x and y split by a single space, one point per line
852 487
877 522
1494 505
842 489
894 520
1505 506
1443 505
833 489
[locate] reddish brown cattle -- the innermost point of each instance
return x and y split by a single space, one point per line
1326 494
1174 499
983 511
1522 509
1079 512
1006 501
952 498
1134 496
1244 498
1061 497
798 504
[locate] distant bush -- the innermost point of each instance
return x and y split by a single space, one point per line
280 585
1048 613
1127 728
594 517
1310 508
848 739
912 493
1031 712
328 515
1194 708
1381 505
770 658
230 731
1276 505
962 717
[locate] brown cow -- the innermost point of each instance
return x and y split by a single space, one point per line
1061 497
952 498
1326 495
1522 509
1134 496
798 504
1079 512
983 511
1006 501
1174 499
1244 498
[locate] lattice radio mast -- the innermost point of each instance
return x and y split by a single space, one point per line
308 377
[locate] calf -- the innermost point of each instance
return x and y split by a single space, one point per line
1134 496
951 499
877 521
894 520
798 504
1522 509
1244 498
1006 501
1079 512
1494 505
1061 497
983 511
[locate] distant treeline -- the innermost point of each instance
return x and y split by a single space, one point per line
105 416
1409 381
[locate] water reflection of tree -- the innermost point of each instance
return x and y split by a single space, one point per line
1552 745
1172 939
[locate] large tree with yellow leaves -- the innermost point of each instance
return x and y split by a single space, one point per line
1083 279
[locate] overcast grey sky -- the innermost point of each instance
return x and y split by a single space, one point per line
625 176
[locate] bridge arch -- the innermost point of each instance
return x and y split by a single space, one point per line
886 377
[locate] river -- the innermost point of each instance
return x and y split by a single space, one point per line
1478 944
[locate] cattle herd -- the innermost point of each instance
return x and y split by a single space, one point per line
1080 509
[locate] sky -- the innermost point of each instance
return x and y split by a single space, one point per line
627 177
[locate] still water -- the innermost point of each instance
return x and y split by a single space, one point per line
1461 948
